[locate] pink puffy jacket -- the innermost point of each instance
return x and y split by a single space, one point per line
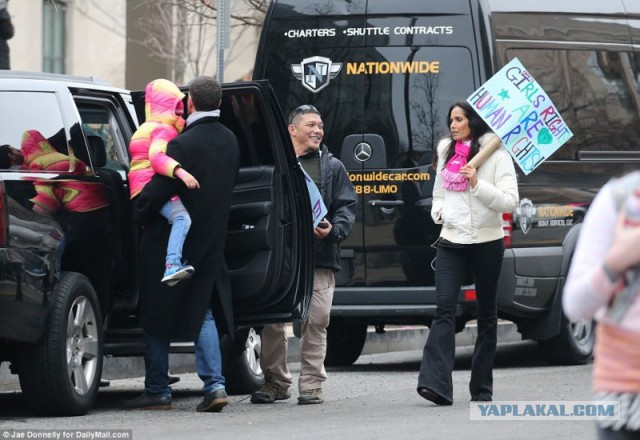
163 122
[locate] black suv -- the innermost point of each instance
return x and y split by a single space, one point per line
68 281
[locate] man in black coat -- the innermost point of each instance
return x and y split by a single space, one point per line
209 151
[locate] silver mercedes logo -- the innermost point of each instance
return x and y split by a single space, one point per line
362 152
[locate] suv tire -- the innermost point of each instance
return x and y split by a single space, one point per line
573 345
61 374
345 341
243 374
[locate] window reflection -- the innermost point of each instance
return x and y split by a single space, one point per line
596 93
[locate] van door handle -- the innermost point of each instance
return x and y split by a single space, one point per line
386 203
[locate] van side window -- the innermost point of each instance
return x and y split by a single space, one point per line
596 92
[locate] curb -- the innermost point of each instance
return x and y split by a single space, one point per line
392 340
414 338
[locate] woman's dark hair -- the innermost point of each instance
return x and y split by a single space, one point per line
476 124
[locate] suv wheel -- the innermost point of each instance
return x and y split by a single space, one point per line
345 341
243 374
573 345
61 374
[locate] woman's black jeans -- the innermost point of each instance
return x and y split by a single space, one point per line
485 261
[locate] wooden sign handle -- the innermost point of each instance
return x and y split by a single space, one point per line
483 154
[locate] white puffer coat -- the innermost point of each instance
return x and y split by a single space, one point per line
475 215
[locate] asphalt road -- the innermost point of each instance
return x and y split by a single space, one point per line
373 399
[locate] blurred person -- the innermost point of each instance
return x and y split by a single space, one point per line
306 130
602 284
10 157
6 33
469 204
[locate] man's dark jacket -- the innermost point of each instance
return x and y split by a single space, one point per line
6 33
209 151
341 200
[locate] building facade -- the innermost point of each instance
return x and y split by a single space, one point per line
104 39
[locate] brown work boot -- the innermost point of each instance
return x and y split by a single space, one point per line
269 393
308 397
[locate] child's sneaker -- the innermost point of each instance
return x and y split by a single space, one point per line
176 273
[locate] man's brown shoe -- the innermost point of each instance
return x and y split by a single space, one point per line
309 397
213 402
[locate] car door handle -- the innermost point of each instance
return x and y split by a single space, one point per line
425 203
386 203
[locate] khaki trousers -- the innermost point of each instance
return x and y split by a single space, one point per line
313 342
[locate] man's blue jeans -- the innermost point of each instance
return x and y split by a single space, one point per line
208 360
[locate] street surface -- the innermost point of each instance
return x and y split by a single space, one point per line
374 399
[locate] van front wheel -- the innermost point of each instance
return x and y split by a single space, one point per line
345 341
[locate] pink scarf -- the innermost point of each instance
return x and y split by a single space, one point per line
451 177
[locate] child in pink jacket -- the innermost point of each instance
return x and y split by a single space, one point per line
603 283
163 122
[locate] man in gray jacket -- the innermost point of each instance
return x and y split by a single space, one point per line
328 173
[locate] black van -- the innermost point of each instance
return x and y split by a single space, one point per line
384 74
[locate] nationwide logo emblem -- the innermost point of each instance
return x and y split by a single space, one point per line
525 212
362 152
316 72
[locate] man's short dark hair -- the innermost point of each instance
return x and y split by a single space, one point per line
206 93
296 113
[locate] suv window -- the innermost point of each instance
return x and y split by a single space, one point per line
21 112
102 130
241 114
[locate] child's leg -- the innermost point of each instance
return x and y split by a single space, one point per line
175 212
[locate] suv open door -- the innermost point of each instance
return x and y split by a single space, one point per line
268 248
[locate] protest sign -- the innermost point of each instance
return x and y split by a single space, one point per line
516 108
318 208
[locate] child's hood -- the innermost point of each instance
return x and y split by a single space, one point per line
34 144
162 98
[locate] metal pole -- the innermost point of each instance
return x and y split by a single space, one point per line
223 31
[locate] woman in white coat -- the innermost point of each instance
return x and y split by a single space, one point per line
469 203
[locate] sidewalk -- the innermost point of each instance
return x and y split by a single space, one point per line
394 338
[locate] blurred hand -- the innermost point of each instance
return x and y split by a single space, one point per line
321 233
624 252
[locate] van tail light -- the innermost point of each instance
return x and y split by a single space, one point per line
470 295
3 218
507 226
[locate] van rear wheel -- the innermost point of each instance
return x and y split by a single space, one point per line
345 341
